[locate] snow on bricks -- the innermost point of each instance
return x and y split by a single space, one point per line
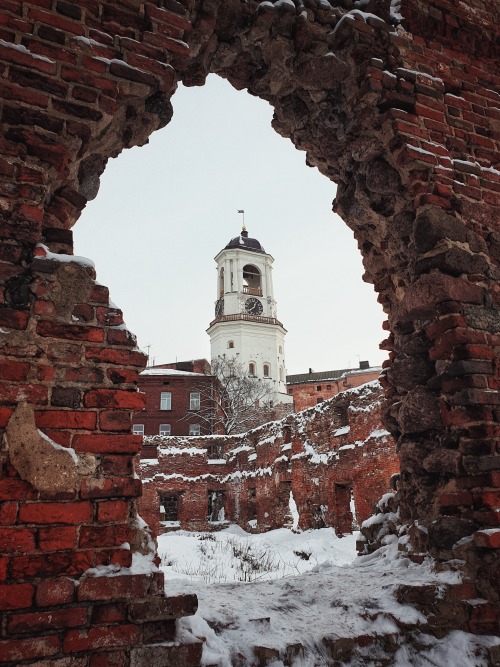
400 109
335 459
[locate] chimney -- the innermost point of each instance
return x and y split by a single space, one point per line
364 365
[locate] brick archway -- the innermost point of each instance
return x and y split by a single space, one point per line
402 113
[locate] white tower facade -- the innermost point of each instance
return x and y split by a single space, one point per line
246 324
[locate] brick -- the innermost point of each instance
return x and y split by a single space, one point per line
8 513
56 619
120 357
57 538
16 650
13 55
5 415
109 659
13 319
112 510
53 592
16 596
489 539
115 398
108 637
104 536
54 564
70 331
45 513
109 613
17 539
13 393
15 489
66 419
124 587
111 487
115 420
157 609
115 444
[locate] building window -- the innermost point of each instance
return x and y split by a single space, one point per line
251 368
280 349
215 450
230 344
328 387
169 508
318 388
282 375
166 400
216 506
165 429
194 429
138 429
194 400
266 370
320 400
290 391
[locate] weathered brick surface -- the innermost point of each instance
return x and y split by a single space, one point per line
329 457
405 121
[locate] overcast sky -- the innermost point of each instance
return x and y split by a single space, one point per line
164 211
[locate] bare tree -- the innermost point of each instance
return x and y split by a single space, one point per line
235 401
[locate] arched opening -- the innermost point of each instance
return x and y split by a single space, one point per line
266 370
407 189
251 369
252 280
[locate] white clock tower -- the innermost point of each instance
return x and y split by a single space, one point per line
246 323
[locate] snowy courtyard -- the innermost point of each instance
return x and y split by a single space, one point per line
285 598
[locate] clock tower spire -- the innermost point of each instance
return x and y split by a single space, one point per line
246 324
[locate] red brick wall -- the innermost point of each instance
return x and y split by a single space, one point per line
181 387
320 455
306 394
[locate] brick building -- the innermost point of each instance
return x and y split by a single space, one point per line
174 396
311 388
336 459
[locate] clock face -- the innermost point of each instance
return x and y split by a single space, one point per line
253 306
219 307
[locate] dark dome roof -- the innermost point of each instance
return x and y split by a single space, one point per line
245 242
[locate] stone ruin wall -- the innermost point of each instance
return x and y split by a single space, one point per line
397 104
318 455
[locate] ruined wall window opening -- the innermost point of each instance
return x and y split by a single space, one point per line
166 400
216 500
251 280
344 506
194 429
165 429
169 508
138 429
194 400
215 451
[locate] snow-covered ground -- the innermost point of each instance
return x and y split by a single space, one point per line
300 589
